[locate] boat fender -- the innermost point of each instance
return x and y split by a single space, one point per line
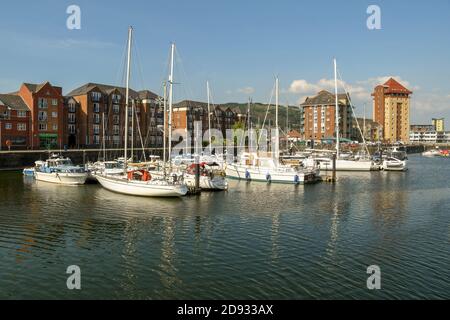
296 179
268 177
247 175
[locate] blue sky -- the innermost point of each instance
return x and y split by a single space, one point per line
239 46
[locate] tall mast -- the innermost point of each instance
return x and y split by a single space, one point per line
337 108
249 125
127 94
165 125
209 116
172 54
132 129
277 138
104 143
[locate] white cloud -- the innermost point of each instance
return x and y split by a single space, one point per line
246 90
302 86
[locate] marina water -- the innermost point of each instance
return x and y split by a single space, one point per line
256 241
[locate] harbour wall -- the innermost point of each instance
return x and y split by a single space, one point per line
17 160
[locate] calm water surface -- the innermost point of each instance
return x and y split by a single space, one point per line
255 241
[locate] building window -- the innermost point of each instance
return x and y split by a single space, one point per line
116 130
116 98
96 96
116 119
21 127
96 118
55 127
21 114
72 118
42 116
42 127
96 129
96 139
116 108
96 107
54 114
8 126
72 129
54 102
42 103
72 107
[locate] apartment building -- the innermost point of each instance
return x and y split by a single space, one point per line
101 116
15 123
439 124
187 112
318 118
391 109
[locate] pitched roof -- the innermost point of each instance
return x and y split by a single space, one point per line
104 88
147 94
14 102
294 134
393 86
323 98
34 87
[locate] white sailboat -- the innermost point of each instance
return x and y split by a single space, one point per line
140 182
343 164
264 168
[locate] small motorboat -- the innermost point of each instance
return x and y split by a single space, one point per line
432 153
394 164
61 171
211 177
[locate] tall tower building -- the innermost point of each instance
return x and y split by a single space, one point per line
391 105
439 124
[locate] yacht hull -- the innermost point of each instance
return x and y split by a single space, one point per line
207 183
235 171
141 189
62 178
348 165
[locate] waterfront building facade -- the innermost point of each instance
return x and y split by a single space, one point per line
318 117
46 105
187 112
439 124
101 116
15 123
391 109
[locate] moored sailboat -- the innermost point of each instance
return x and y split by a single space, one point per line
143 183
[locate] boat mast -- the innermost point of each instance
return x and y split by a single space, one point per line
171 103
337 108
165 125
249 125
277 138
104 143
127 95
132 130
209 116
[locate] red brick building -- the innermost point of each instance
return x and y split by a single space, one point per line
319 117
46 105
97 111
15 123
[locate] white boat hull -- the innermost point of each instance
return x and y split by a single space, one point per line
394 166
142 189
348 165
207 183
62 178
240 172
